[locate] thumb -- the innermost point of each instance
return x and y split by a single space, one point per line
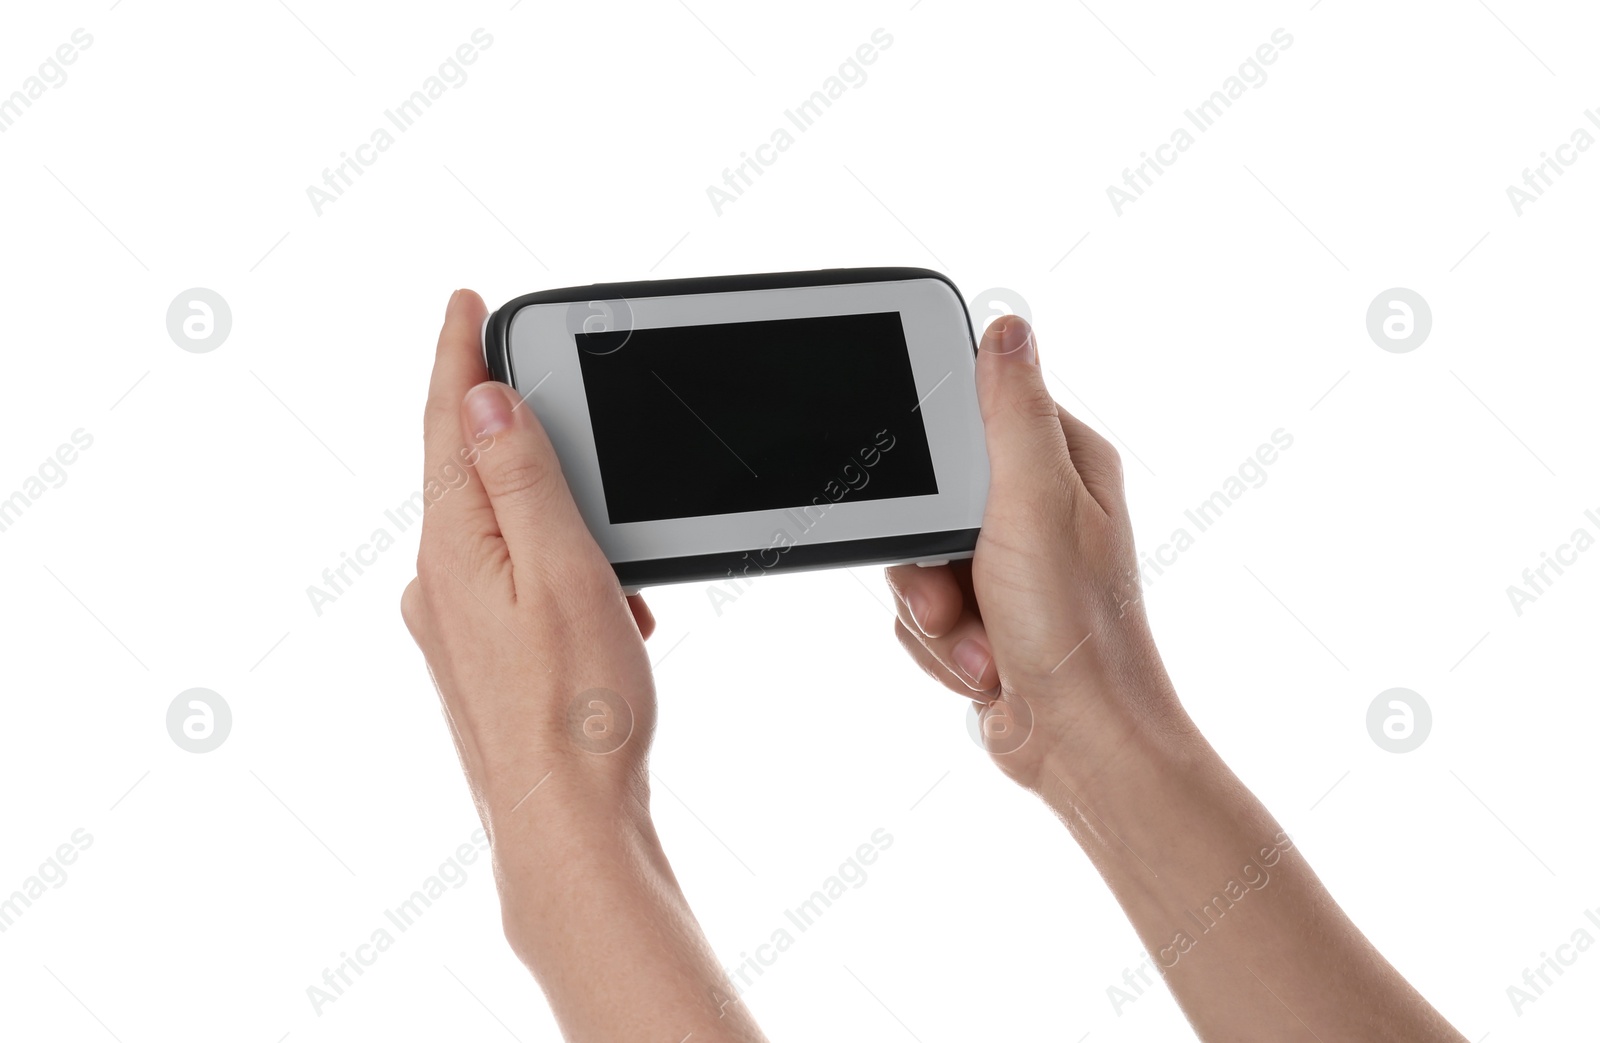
533 508
1020 424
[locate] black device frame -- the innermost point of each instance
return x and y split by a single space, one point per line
918 546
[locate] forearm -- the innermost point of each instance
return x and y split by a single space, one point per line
1249 941
591 906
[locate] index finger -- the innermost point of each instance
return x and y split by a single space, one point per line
451 494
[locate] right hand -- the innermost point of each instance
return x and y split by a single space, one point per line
1045 626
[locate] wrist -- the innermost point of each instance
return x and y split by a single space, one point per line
1121 749
570 845
1113 712
1155 803
583 762
564 800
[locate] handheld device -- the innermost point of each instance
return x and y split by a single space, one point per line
727 427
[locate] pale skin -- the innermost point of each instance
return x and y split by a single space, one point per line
521 619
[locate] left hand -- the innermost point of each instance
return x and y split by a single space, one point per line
538 658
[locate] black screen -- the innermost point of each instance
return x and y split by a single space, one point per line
748 416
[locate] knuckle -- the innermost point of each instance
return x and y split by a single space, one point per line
912 644
1035 402
432 573
411 606
515 477
1111 459
483 563
899 579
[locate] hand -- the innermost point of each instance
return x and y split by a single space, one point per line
1044 627
541 670
539 663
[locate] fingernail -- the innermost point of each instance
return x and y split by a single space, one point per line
917 605
488 410
1018 337
972 660
450 305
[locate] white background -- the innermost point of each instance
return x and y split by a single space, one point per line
1223 305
